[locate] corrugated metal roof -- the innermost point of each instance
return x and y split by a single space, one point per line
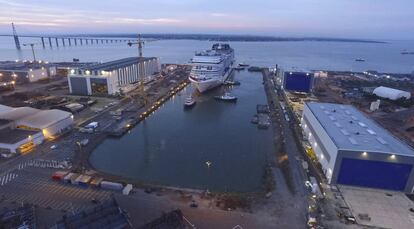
45 118
362 135
4 108
116 64
34 118
391 93
18 113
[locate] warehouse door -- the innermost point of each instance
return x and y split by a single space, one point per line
374 174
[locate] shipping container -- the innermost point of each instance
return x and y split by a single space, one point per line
74 177
96 182
59 175
128 188
74 107
68 177
83 180
111 185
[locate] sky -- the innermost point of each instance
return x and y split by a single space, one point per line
372 19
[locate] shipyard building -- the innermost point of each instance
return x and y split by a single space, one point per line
298 81
114 77
22 128
25 72
354 150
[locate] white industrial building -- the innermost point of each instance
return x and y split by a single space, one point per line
50 122
18 140
24 127
354 150
112 77
391 93
21 72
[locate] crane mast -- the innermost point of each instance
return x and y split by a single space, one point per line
141 72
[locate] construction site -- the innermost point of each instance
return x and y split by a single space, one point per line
378 101
358 89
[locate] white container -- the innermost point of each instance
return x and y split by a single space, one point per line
127 189
111 185
68 177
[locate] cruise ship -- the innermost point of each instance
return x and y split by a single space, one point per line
210 68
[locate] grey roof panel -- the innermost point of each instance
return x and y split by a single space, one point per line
365 132
116 64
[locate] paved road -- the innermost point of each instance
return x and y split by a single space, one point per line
290 199
291 147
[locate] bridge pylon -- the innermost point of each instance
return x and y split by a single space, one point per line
16 38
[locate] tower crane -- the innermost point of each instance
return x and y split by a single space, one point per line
141 72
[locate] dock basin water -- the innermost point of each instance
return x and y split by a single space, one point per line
174 146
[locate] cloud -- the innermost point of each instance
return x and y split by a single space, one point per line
219 15
151 21
334 18
32 15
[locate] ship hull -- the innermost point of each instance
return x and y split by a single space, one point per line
203 86
211 68
206 85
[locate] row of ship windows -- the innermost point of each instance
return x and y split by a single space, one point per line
204 71
208 67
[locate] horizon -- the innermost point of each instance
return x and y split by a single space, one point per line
132 35
383 20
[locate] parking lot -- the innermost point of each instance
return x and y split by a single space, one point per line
377 208
32 184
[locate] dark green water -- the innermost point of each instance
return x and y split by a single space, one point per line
172 146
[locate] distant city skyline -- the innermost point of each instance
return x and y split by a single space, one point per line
371 19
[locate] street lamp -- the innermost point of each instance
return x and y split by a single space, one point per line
33 52
80 152
80 145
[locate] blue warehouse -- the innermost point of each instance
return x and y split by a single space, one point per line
298 81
